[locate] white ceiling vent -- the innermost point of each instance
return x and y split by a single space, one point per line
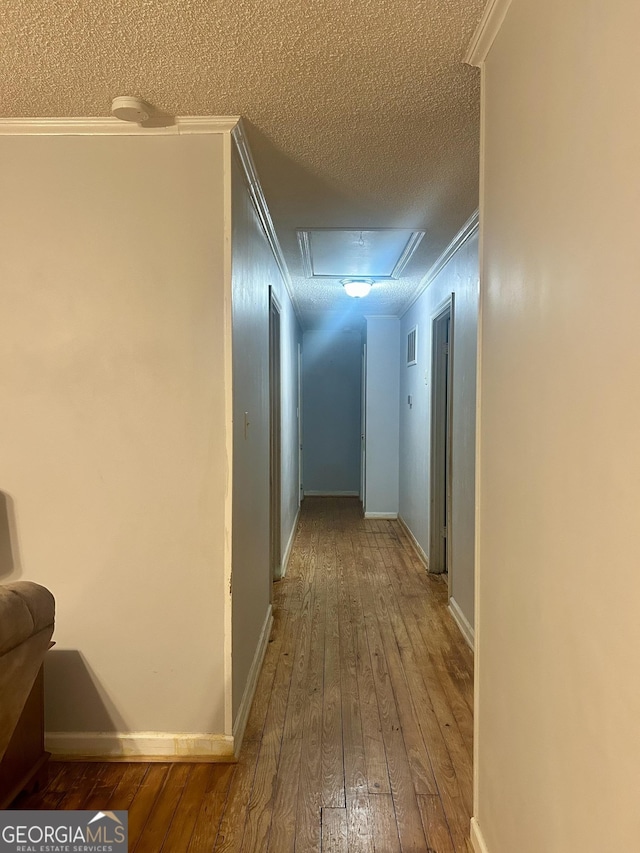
379 253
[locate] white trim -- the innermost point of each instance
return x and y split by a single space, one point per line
252 682
275 299
256 193
477 839
408 252
287 551
416 545
494 14
141 746
462 622
465 233
381 317
392 515
227 367
478 458
109 126
316 494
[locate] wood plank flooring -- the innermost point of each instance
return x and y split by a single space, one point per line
360 735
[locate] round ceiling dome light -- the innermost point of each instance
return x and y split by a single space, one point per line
128 108
357 287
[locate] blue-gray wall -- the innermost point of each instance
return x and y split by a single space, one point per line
460 276
254 270
331 379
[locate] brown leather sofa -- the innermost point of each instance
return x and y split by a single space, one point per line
26 625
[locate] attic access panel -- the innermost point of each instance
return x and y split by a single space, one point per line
379 253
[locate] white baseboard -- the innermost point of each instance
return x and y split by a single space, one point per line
252 681
287 550
164 746
477 840
140 746
417 547
314 494
462 622
392 515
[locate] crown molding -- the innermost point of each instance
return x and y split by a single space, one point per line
243 151
465 233
486 31
109 126
381 316
407 254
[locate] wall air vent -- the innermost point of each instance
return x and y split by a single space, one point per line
412 346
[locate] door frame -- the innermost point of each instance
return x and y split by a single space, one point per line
300 472
440 491
275 437
363 429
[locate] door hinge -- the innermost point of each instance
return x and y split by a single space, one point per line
445 348
444 532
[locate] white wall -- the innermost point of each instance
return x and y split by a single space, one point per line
331 380
558 692
383 421
113 432
460 277
254 270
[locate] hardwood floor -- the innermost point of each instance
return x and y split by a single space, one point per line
360 735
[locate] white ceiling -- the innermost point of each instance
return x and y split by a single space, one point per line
359 113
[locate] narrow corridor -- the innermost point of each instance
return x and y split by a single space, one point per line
360 735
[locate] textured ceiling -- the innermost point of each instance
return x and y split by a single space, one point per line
359 112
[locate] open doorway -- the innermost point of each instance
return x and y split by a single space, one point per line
441 397
275 444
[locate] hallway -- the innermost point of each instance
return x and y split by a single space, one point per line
360 735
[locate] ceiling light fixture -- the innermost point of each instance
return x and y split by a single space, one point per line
357 287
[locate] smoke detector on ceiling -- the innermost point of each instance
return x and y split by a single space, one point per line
128 108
